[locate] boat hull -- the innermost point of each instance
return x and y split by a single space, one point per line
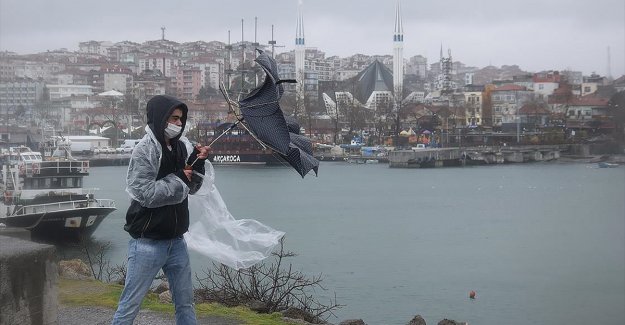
60 226
241 158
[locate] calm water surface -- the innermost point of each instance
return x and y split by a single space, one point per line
540 243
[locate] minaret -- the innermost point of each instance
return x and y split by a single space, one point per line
300 49
398 55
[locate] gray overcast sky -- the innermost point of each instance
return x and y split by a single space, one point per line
536 35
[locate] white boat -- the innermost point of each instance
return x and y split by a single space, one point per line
607 165
47 197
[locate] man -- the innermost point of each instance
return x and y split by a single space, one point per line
159 180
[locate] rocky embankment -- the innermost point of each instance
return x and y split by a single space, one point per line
78 281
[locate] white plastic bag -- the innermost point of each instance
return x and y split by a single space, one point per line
213 231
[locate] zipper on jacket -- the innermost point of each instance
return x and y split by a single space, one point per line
146 224
175 224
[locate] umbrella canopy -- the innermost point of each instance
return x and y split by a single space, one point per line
261 110
300 153
262 114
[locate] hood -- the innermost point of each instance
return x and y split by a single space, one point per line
159 108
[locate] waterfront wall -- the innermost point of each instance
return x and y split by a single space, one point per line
28 282
440 157
590 149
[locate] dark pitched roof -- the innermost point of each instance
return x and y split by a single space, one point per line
375 77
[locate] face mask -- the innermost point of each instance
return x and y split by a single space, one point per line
172 130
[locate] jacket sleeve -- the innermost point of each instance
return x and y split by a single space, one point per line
198 168
142 185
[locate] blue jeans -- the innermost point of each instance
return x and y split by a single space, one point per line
145 258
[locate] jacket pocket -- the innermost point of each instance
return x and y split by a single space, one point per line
136 219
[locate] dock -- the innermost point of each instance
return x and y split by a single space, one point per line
484 155
106 159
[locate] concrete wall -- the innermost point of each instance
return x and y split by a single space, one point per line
28 283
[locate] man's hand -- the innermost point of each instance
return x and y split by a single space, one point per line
203 151
199 153
188 172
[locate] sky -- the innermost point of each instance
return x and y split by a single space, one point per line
535 35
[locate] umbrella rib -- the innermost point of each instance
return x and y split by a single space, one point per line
259 104
264 145
222 88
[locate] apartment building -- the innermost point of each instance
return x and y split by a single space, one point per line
188 82
506 100
61 91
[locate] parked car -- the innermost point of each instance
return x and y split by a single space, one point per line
123 149
105 149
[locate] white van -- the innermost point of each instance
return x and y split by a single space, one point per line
127 146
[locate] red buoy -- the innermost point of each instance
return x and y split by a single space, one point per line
472 294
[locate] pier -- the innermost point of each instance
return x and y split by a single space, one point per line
440 157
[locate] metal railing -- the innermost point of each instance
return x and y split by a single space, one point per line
65 205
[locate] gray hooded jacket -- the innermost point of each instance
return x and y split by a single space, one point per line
155 180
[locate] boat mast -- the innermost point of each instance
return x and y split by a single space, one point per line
229 68
242 65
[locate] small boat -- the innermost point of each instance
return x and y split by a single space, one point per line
47 197
604 164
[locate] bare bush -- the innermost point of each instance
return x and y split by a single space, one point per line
117 273
268 287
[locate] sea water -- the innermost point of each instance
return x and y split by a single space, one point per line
539 243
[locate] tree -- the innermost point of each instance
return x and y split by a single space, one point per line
617 106
380 116
288 103
113 112
206 92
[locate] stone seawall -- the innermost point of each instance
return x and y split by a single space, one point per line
28 282
441 157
